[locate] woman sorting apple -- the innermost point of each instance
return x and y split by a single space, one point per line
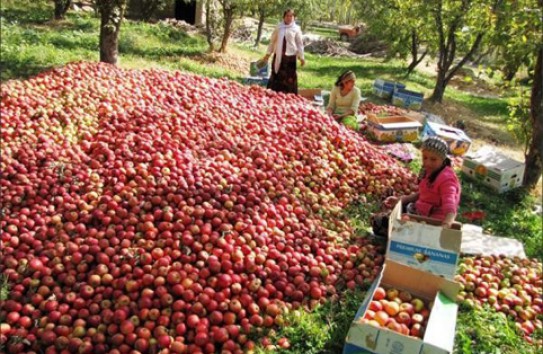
344 97
439 189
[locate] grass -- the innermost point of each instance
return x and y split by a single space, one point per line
32 43
487 331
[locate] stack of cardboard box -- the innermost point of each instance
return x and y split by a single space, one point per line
396 92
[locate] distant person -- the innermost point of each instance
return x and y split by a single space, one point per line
287 46
344 97
439 189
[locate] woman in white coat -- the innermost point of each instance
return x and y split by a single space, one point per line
286 45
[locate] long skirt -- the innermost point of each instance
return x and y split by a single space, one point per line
285 80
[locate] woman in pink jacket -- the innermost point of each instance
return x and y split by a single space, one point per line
439 189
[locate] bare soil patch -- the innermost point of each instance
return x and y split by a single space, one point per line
231 61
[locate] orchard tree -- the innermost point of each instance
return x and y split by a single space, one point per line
212 23
460 27
451 31
61 7
264 9
526 31
229 8
111 16
534 156
404 25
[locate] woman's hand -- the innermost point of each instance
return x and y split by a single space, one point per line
448 221
447 224
302 62
391 201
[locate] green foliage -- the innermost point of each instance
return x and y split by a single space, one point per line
487 331
350 122
519 122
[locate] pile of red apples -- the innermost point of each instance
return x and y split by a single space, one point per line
167 212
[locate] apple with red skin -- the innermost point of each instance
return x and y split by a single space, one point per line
124 201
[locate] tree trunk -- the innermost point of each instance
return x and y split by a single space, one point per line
534 156
415 60
210 25
61 7
261 18
439 88
228 19
111 17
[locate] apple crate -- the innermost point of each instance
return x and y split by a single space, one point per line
422 243
494 169
256 80
456 139
438 337
407 99
392 128
385 89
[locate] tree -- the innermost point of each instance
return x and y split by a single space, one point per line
228 10
403 25
449 30
528 23
61 7
111 16
263 8
461 27
212 24
534 156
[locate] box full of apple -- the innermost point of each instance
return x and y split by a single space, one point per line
405 311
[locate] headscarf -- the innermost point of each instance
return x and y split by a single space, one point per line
436 145
345 77
439 147
279 48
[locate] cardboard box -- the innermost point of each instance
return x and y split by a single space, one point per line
459 143
310 93
259 68
440 329
314 95
407 99
494 169
392 128
422 243
385 89
256 80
